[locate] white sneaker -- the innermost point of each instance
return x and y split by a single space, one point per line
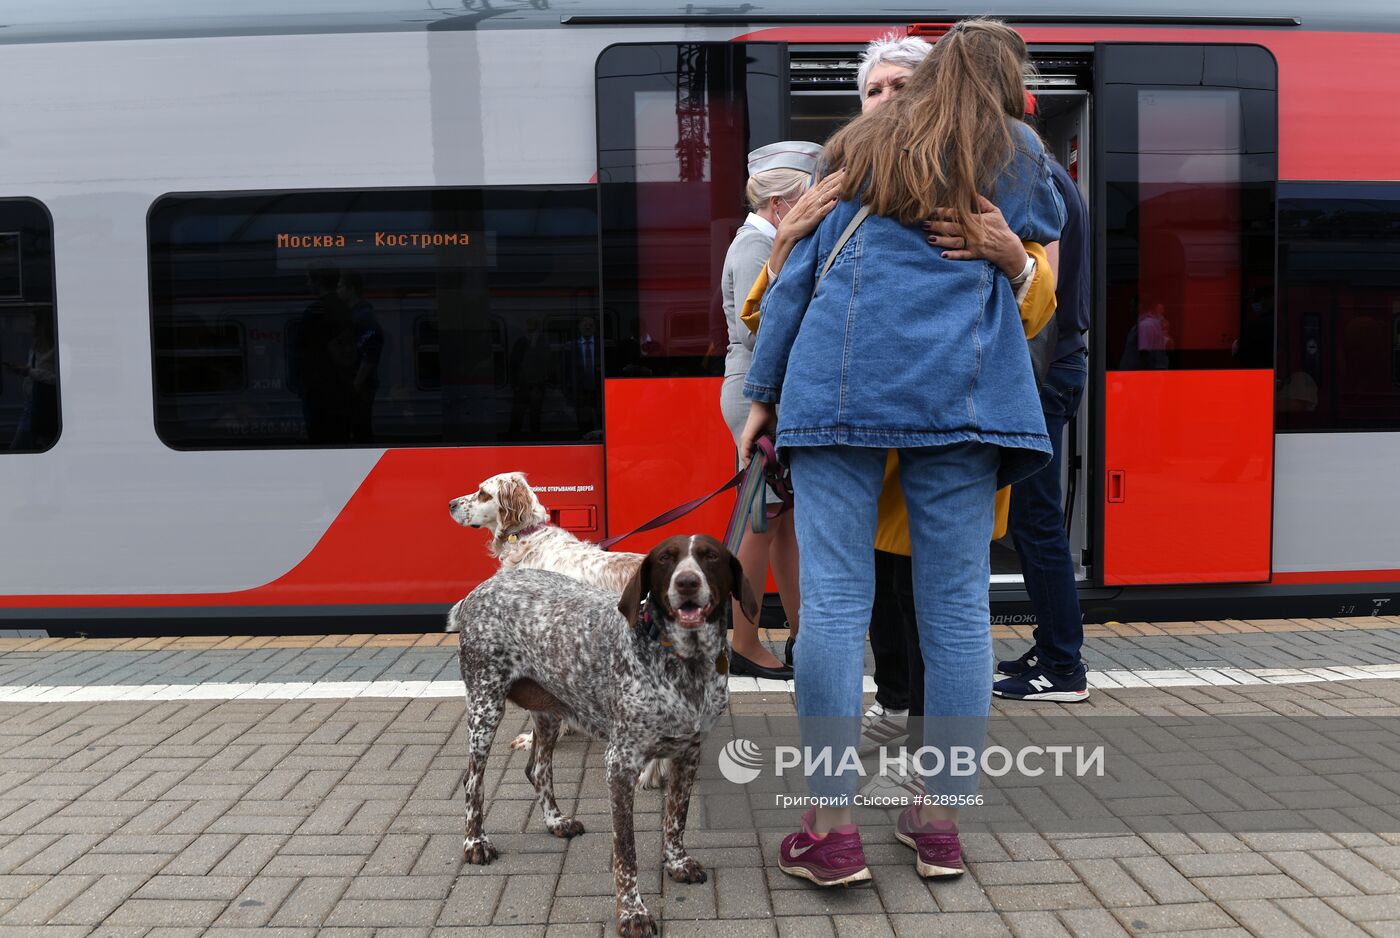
879 727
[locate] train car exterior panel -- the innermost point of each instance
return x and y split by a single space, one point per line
1335 504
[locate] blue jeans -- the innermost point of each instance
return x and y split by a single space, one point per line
949 491
1037 525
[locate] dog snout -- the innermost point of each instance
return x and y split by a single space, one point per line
687 583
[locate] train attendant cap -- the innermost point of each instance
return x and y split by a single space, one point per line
785 154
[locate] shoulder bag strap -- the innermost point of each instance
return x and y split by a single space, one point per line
850 229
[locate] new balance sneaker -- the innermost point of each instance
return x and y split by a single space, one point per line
1040 684
936 843
1017 666
834 859
880 727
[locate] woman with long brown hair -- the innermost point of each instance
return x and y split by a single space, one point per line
873 345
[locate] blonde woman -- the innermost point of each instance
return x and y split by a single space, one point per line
778 175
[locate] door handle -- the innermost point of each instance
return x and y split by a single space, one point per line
1117 489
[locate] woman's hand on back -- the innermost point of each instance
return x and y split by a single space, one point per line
996 243
806 214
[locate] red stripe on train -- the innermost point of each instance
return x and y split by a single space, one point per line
393 542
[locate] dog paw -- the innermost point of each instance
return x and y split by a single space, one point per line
566 827
524 741
687 870
479 852
637 925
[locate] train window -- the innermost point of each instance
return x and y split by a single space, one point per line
675 124
30 417
384 318
1190 161
1339 307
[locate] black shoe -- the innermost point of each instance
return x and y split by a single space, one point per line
787 651
743 667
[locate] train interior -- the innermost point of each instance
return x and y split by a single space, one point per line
824 96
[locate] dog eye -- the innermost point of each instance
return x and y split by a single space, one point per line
483 497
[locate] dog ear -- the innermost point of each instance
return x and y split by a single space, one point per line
631 603
741 589
512 502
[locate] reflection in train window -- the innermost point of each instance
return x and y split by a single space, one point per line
382 318
201 357
1339 306
30 416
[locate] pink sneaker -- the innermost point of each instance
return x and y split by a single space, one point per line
833 860
940 852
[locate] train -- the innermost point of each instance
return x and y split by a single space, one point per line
276 285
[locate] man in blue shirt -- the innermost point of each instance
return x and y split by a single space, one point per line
1052 669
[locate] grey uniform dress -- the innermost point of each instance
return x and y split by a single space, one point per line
747 254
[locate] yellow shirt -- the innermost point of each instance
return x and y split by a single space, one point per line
1037 307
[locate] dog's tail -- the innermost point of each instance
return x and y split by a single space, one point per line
454 623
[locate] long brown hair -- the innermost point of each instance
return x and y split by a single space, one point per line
946 137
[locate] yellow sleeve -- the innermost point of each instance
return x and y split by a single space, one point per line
1038 306
1037 309
750 314
892 533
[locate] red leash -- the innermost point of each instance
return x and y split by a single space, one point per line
762 467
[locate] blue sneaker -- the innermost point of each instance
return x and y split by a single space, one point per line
1040 684
1017 666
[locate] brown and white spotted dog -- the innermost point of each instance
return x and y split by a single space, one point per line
647 673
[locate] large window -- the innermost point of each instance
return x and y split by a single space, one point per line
29 410
1190 163
381 318
1339 306
675 125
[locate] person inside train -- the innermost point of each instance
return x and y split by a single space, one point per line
369 349
583 363
935 366
38 418
324 360
529 376
778 174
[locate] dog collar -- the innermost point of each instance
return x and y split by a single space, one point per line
652 630
512 538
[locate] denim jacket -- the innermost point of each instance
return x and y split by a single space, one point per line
900 347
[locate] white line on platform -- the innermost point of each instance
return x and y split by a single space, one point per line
1113 679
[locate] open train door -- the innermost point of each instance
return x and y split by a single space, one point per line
676 122
1187 166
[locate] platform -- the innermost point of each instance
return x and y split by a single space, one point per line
156 788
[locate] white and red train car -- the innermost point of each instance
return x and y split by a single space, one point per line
193 203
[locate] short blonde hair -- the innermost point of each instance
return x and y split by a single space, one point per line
783 183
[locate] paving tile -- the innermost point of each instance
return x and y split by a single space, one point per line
1041 897
1091 923
951 925
806 926
1272 886
310 903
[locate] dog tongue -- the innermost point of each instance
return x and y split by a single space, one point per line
690 615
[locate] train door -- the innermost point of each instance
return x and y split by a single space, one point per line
1185 177
675 124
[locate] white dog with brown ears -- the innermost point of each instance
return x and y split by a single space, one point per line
522 537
